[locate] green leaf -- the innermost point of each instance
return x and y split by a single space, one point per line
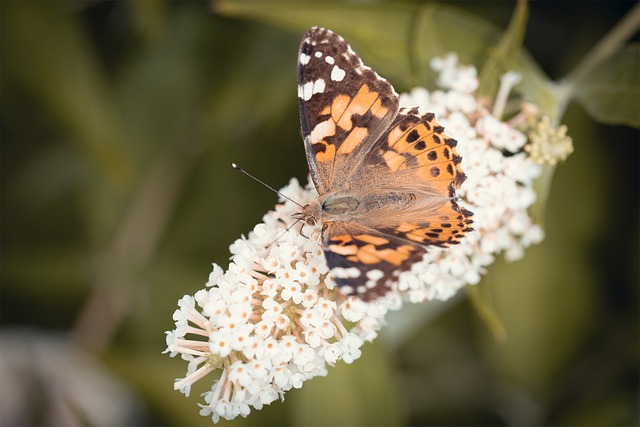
610 93
412 34
359 25
535 86
433 37
400 39
481 299
508 48
474 41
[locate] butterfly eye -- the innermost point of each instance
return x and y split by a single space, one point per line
311 221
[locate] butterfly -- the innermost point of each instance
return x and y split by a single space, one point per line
386 176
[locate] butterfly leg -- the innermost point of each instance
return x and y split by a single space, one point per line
315 246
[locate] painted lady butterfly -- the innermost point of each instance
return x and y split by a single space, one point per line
386 176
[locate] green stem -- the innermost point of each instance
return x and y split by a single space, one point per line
606 47
564 89
487 312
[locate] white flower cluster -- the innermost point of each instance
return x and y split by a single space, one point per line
272 320
498 189
275 318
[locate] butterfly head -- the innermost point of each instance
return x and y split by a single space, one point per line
309 214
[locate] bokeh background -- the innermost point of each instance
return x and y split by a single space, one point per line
119 121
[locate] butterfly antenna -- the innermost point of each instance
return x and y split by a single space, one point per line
238 168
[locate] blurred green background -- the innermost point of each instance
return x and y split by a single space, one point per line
119 122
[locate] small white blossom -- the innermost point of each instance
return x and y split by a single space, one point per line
460 79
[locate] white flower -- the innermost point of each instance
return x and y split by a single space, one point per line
498 189
275 317
460 79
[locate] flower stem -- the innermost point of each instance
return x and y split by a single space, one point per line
606 46
564 89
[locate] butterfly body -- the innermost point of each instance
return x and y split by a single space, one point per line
374 209
386 176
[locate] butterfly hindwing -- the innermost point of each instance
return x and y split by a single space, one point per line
416 149
366 262
415 156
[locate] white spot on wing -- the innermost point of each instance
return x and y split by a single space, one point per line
306 91
319 86
373 277
341 272
375 274
347 290
318 54
304 59
329 60
337 74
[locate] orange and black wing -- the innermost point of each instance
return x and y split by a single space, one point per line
416 155
344 107
366 262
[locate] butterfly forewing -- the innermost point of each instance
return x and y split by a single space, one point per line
344 107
